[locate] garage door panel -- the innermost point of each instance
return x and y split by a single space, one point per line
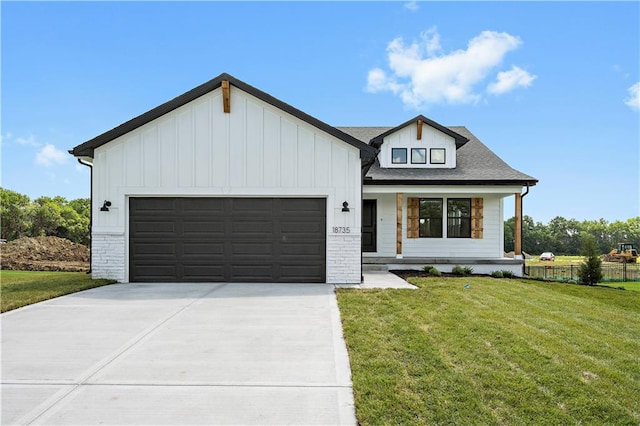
264 250
200 205
195 273
301 249
198 227
155 272
251 272
301 273
253 206
204 248
227 239
155 248
252 227
155 226
301 205
153 205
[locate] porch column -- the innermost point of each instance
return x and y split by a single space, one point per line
399 225
518 228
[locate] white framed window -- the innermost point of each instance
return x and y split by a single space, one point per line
399 155
437 155
418 156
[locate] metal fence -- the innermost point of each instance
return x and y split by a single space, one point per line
620 272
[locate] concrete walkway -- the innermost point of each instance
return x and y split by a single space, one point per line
174 354
380 279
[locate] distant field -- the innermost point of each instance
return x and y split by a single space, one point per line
560 260
565 268
629 285
566 260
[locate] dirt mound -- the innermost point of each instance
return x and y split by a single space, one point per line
44 254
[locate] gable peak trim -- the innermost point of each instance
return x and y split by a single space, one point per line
420 120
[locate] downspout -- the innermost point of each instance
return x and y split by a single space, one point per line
84 163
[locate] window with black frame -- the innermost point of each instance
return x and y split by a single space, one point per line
430 218
459 218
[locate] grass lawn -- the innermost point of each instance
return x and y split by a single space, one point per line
629 285
499 352
21 288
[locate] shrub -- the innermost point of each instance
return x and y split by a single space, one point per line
462 271
507 273
431 270
590 271
504 273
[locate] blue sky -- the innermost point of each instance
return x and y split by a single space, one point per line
550 87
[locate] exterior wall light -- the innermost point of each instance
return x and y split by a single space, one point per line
105 206
345 207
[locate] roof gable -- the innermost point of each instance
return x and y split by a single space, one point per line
476 165
86 149
460 140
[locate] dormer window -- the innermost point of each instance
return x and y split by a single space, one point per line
437 155
399 155
418 156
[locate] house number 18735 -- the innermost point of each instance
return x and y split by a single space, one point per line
341 230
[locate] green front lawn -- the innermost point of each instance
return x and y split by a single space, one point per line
498 352
21 288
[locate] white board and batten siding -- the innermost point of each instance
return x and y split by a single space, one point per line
256 150
406 137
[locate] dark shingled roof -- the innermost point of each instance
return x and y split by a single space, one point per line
475 165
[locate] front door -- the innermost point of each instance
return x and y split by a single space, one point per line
369 225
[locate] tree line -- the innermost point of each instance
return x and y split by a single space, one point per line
56 216
44 216
564 236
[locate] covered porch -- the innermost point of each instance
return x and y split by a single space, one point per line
393 237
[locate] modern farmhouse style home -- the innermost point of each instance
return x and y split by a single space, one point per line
227 183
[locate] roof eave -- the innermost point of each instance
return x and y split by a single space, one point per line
452 182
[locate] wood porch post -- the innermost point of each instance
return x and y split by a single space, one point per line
518 227
399 225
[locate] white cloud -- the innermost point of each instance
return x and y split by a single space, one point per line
50 155
431 40
412 6
421 74
29 140
634 96
509 80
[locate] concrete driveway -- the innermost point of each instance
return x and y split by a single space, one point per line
178 354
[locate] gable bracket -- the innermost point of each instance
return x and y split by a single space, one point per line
226 97
419 135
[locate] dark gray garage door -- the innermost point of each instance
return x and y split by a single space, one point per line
227 239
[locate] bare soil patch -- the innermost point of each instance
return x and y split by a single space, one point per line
44 254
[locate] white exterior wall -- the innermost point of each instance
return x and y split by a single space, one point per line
198 150
407 138
491 246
